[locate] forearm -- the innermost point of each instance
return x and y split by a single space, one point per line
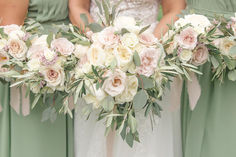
162 27
13 11
75 10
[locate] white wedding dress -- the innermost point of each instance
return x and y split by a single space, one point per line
165 138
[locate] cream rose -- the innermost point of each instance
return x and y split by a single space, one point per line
149 59
115 82
54 76
185 55
147 39
80 51
96 56
124 56
63 46
42 41
225 45
129 40
200 55
83 67
96 95
187 38
108 37
17 49
34 64
130 90
4 58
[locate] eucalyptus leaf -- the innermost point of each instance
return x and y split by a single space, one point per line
84 18
232 51
136 59
214 62
130 139
132 123
145 82
49 39
232 75
140 99
108 103
106 12
95 27
36 99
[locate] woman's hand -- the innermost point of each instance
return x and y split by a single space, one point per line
13 11
76 8
171 8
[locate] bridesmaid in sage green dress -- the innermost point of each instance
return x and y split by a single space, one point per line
210 130
27 136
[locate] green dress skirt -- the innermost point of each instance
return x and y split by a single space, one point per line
210 130
27 136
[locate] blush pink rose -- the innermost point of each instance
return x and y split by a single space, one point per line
147 39
17 49
200 55
62 45
149 59
53 76
115 82
187 39
108 37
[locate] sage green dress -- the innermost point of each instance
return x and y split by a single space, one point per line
28 136
210 130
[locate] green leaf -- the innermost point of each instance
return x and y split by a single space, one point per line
230 64
78 89
140 99
132 123
130 139
124 31
136 59
144 29
36 99
106 12
145 82
95 27
232 51
232 75
49 39
84 18
123 132
108 103
214 62
109 121
99 6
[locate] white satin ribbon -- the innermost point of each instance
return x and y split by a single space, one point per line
16 98
194 92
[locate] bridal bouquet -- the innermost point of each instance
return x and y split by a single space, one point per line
121 73
223 48
187 41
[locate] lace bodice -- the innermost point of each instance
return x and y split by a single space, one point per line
145 11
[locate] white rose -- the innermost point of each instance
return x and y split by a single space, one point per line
96 56
17 34
42 41
124 56
17 49
34 64
130 40
110 56
54 76
10 28
124 22
185 55
115 82
130 90
35 88
80 51
199 22
80 70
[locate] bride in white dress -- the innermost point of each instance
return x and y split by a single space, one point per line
165 138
